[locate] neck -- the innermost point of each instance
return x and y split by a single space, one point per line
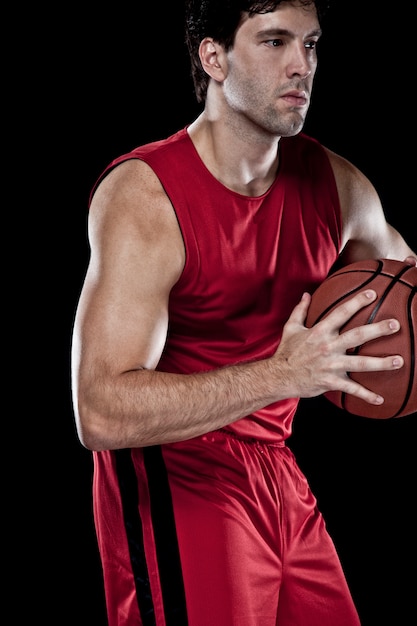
244 162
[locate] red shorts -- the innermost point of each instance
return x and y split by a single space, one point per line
218 532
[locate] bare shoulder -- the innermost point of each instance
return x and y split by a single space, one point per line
359 199
132 188
353 185
365 231
130 205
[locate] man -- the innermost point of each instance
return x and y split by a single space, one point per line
190 350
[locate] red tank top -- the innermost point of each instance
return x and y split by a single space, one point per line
248 260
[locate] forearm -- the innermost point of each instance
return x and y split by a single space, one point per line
146 407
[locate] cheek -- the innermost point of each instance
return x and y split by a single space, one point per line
246 87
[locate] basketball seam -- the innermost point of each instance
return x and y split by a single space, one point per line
413 356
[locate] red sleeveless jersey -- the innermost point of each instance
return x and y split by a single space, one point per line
248 260
178 524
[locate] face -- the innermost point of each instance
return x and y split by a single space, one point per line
271 67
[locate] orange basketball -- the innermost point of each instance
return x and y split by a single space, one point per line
395 283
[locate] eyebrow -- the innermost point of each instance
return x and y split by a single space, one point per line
276 32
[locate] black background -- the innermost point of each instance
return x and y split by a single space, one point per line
102 83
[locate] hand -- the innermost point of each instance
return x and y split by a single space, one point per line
316 360
411 260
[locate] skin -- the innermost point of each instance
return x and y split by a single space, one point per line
259 91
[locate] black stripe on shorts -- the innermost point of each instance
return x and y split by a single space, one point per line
166 543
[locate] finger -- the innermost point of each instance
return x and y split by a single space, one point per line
362 334
361 363
355 389
299 312
347 385
411 260
344 311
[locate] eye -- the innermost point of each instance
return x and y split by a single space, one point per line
311 45
275 43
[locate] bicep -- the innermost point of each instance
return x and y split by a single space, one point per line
136 257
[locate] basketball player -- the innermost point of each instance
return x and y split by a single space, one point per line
190 350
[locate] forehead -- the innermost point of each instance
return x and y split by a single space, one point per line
292 17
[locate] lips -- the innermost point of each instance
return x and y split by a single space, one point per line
295 98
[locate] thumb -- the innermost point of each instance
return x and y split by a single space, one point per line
299 313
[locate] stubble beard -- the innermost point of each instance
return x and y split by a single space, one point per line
284 125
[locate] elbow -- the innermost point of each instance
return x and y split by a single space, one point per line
92 429
89 438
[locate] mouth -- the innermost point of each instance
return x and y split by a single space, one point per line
295 98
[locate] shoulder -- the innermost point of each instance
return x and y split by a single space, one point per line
360 203
130 190
130 204
364 225
139 166
351 182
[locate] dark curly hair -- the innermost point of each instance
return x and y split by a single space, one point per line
220 19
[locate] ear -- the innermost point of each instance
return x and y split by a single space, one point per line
213 58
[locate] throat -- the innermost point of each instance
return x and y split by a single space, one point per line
247 183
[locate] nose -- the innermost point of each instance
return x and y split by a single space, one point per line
299 61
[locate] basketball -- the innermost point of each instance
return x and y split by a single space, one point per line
395 283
